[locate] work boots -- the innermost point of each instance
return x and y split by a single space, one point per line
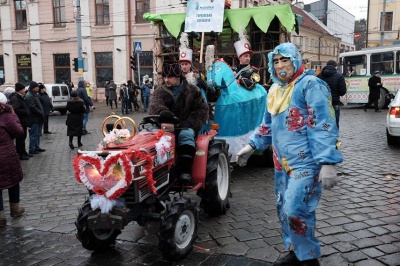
3 220
185 163
16 210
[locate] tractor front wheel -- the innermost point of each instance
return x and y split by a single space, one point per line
98 239
178 229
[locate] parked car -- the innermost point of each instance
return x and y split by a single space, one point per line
59 96
393 120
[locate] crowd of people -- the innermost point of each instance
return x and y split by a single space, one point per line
302 113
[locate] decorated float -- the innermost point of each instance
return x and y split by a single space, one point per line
237 111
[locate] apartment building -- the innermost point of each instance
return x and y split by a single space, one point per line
383 25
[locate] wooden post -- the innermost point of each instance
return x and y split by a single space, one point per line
201 48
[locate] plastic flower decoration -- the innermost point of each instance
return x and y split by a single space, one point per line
116 136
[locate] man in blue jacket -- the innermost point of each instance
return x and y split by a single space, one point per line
146 87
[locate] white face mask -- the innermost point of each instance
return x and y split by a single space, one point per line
284 67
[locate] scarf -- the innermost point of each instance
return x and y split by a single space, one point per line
280 95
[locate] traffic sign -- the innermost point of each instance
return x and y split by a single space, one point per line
137 47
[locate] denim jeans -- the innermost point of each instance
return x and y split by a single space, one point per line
13 195
146 102
186 137
34 136
85 119
337 113
125 105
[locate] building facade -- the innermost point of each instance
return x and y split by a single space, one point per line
39 40
383 25
338 20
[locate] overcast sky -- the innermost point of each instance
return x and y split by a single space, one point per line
356 7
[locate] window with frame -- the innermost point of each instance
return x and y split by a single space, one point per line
142 6
388 21
24 68
102 12
59 13
2 75
20 14
384 62
104 67
355 65
62 68
146 66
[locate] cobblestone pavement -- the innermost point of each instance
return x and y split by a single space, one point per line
358 221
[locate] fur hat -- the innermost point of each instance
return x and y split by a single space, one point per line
19 86
33 85
185 53
3 98
243 45
171 69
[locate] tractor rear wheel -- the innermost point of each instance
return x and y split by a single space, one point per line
178 229
98 239
215 196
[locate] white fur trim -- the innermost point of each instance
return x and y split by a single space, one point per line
105 204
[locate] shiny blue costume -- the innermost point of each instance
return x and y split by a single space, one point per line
304 136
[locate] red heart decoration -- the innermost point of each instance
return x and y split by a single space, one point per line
110 176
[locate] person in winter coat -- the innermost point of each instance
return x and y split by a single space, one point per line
76 110
125 101
107 91
47 107
146 87
37 118
11 172
133 91
112 88
336 83
17 101
375 85
87 102
89 91
300 124
185 101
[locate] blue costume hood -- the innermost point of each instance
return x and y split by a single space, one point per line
287 50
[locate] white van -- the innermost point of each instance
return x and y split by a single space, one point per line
59 96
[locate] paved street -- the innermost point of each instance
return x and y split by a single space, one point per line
358 221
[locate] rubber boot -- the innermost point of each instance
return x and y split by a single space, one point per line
185 162
3 220
16 210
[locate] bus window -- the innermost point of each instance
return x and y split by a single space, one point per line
398 62
355 65
383 62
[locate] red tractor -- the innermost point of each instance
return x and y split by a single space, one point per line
132 178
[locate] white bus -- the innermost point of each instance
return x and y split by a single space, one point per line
359 66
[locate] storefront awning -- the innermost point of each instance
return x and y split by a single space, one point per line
237 18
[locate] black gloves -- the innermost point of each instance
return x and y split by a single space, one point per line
185 125
166 116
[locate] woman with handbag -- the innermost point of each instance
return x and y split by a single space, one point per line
74 122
